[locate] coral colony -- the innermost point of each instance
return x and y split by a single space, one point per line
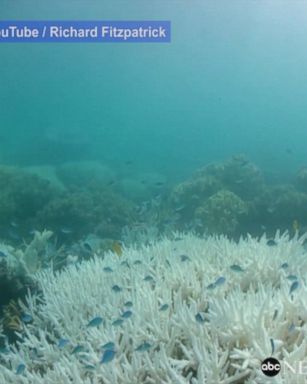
209 317
107 280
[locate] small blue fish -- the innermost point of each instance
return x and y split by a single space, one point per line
164 307
236 268
178 209
291 327
128 304
116 288
148 278
275 314
87 247
108 355
118 322
137 262
284 266
294 286
108 269
292 277
211 286
126 314
66 230
90 367
143 347
20 369
200 318
62 343
272 346
125 264
26 318
109 345
14 224
77 349
2 254
95 322
220 281
184 258
271 243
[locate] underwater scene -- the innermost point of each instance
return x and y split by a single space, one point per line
153 197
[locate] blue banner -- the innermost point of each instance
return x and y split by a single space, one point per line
85 31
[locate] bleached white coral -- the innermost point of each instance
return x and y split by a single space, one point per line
189 310
32 256
18 262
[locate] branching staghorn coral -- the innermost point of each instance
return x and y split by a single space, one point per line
189 310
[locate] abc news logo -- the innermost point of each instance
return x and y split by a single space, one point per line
270 366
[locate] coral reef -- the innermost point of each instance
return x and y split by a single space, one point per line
12 317
83 173
232 198
237 175
141 186
205 201
190 310
18 265
229 197
32 258
29 202
17 269
76 213
46 172
22 195
134 189
301 179
278 207
221 212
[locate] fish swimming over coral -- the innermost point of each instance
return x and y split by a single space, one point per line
95 322
108 356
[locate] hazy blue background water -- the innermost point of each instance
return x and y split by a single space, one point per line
233 79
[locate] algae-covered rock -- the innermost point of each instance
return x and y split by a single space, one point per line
221 213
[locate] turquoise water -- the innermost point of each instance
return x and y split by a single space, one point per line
123 145
232 80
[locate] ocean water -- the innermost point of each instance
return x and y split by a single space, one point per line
231 81
106 149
